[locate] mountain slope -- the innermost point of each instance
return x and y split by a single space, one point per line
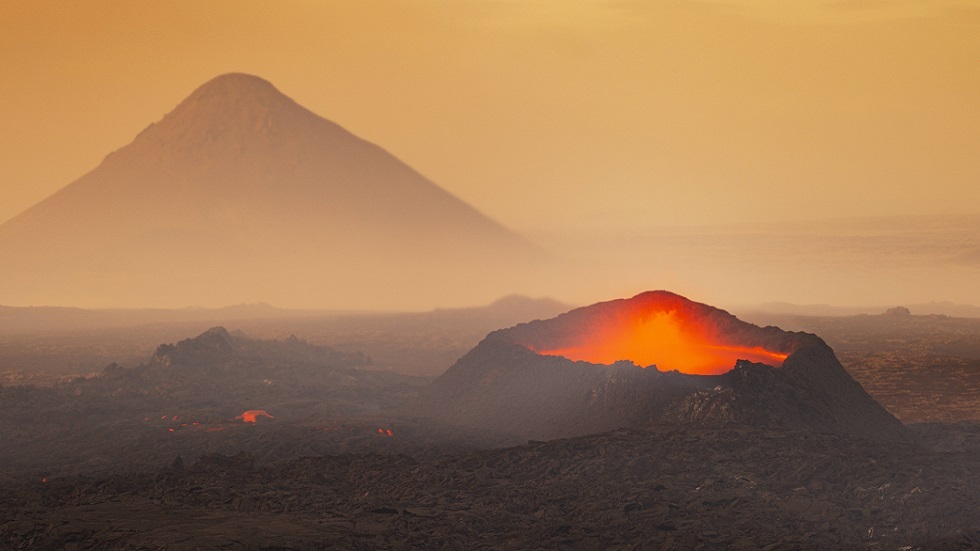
240 194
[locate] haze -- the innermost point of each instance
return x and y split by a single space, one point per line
681 145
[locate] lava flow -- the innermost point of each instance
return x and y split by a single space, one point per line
665 336
252 415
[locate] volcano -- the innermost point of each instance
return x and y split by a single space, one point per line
240 194
655 358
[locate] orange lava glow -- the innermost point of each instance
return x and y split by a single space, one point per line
670 339
252 415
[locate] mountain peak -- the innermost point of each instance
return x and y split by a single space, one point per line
234 93
235 85
238 80
233 114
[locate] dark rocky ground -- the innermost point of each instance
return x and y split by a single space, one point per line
642 488
91 464
188 399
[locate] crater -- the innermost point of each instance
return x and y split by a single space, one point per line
659 330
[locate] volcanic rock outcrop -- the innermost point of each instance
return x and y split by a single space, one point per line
715 370
240 194
217 348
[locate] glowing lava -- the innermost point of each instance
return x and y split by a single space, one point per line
252 415
662 334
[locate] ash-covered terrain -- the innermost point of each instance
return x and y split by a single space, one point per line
226 441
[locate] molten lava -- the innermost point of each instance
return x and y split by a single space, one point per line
663 335
252 415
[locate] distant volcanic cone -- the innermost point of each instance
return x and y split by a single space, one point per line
657 357
240 195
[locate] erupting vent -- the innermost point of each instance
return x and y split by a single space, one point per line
660 331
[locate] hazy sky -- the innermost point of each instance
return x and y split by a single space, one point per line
542 113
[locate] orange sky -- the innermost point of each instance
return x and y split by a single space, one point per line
542 113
